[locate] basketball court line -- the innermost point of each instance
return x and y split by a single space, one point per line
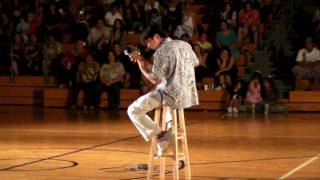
83 149
71 152
301 166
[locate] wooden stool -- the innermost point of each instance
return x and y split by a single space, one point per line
179 133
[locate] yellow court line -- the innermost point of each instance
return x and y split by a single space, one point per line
299 167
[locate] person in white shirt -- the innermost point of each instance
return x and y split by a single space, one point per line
112 15
99 35
308 64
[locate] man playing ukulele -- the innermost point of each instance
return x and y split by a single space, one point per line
174 77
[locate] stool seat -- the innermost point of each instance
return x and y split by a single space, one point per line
180 150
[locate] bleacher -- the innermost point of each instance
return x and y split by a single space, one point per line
308 101
33 92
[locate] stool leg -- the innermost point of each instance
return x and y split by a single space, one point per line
185 144
163 159
153 145
175 149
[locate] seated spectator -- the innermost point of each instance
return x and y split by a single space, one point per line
151 4
17 65
106 4
229 15
39 18
78 52
201 71
154 18
17 10
22 26
227 71
133 19
249 21
33 24
54 22
33 51
112 15
200 24
186 26
227 38
316 18
234 98
270 94
253 96
118 33
171 16
129 4
81 26
6 27
67 69
308 65
266 10
204 43
87 76
111 77
99 35
316 26
52 52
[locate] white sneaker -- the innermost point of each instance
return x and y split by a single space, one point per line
164 143
266 109
218 88
235 110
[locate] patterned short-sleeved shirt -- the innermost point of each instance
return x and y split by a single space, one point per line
174 63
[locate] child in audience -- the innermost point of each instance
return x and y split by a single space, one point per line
270 95
253 96
234 98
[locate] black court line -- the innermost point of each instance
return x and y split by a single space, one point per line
72 152
219 162
83 149
73 164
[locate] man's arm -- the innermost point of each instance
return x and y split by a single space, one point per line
148 76
143 66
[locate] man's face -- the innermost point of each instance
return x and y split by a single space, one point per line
154 42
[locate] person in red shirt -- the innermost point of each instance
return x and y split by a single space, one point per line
249 21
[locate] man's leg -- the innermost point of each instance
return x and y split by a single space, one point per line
137 113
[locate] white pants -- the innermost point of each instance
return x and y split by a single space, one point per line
137 112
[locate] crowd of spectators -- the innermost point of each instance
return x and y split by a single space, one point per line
33 37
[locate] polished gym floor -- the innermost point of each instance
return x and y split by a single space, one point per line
57 144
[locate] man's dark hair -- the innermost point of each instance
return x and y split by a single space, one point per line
151 31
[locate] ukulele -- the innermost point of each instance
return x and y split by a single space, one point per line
134 56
